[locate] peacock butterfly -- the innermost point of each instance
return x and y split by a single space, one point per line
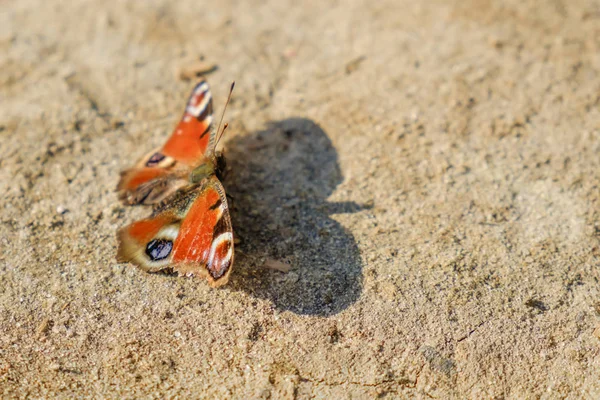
190 229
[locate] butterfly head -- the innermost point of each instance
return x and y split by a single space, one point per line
220 165
215 167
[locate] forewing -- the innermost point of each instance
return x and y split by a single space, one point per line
162 172
205 241
192 235
194 136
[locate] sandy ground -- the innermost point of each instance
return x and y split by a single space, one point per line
429 170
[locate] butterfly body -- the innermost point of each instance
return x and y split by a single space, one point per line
190 228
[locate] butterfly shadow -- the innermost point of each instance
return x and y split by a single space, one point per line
279 183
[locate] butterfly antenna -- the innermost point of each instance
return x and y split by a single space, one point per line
219 135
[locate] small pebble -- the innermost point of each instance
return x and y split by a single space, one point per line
43 327
195 69
276 265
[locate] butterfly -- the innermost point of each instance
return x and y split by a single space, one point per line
190 229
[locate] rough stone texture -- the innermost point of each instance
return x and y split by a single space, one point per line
430 171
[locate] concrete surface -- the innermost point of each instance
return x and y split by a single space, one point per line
429 170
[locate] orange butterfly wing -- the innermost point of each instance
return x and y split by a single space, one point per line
193 137
162 172
192 235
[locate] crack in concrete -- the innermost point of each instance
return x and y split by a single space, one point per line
468 335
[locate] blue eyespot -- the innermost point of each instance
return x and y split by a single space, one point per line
159 249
